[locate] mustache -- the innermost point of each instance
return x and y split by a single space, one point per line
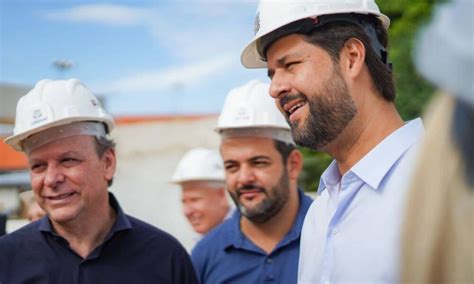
289 97
247 187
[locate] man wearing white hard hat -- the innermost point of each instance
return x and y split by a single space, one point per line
85 236
331 78
260 242
200 173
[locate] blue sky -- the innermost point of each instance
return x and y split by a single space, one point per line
145 57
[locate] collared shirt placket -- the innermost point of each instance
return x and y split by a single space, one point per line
341 197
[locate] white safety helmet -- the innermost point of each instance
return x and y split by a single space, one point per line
199 164
273 14
51 104
250 111
451 64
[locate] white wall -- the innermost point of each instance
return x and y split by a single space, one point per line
147 156
9 201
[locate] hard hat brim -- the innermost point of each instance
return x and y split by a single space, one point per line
250 58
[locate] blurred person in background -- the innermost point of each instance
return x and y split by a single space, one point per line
331 78
439 226
3 224
200 173
260 242
32 210
85 236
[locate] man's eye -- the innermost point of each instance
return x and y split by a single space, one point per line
261 163
230 168
291 64
68 162
36 168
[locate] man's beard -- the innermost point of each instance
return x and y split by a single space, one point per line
274 201
330 111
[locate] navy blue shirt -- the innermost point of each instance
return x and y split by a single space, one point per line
132 252
225 255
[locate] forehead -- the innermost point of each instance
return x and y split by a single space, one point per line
294 45
292 42
197 191
201 185
79 144
244 148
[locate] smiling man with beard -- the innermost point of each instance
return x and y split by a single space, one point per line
331 78
260 242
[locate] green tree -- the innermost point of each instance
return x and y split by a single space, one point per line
413 92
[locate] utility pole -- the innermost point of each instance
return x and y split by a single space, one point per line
62 65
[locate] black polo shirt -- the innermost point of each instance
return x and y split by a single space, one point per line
132 252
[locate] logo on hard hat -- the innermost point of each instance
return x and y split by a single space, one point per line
38 116
256 24
243 114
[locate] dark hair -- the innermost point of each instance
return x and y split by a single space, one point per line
284 149
102 144
332 37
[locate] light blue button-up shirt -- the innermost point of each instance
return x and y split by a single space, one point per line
351 232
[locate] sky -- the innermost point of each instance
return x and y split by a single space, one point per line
144 57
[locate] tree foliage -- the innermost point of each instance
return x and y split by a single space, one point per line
413 92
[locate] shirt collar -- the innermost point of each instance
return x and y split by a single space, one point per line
234 235
295 232
121 222
387 153
330 176
384 156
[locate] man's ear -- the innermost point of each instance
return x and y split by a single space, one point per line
294 164
352 58
110 163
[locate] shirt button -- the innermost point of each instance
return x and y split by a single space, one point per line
334 232
269 260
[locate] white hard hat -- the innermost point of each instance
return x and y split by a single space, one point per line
199 164
54 103
445 52
250 107
272 15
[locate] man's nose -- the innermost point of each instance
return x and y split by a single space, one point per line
246 175
279 85
54 176
188 210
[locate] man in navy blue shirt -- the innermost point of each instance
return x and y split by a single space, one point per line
260 242
85 237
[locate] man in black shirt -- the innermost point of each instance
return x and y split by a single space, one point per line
85 237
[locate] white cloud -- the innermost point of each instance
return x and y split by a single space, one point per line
102 13
166 79
185 29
